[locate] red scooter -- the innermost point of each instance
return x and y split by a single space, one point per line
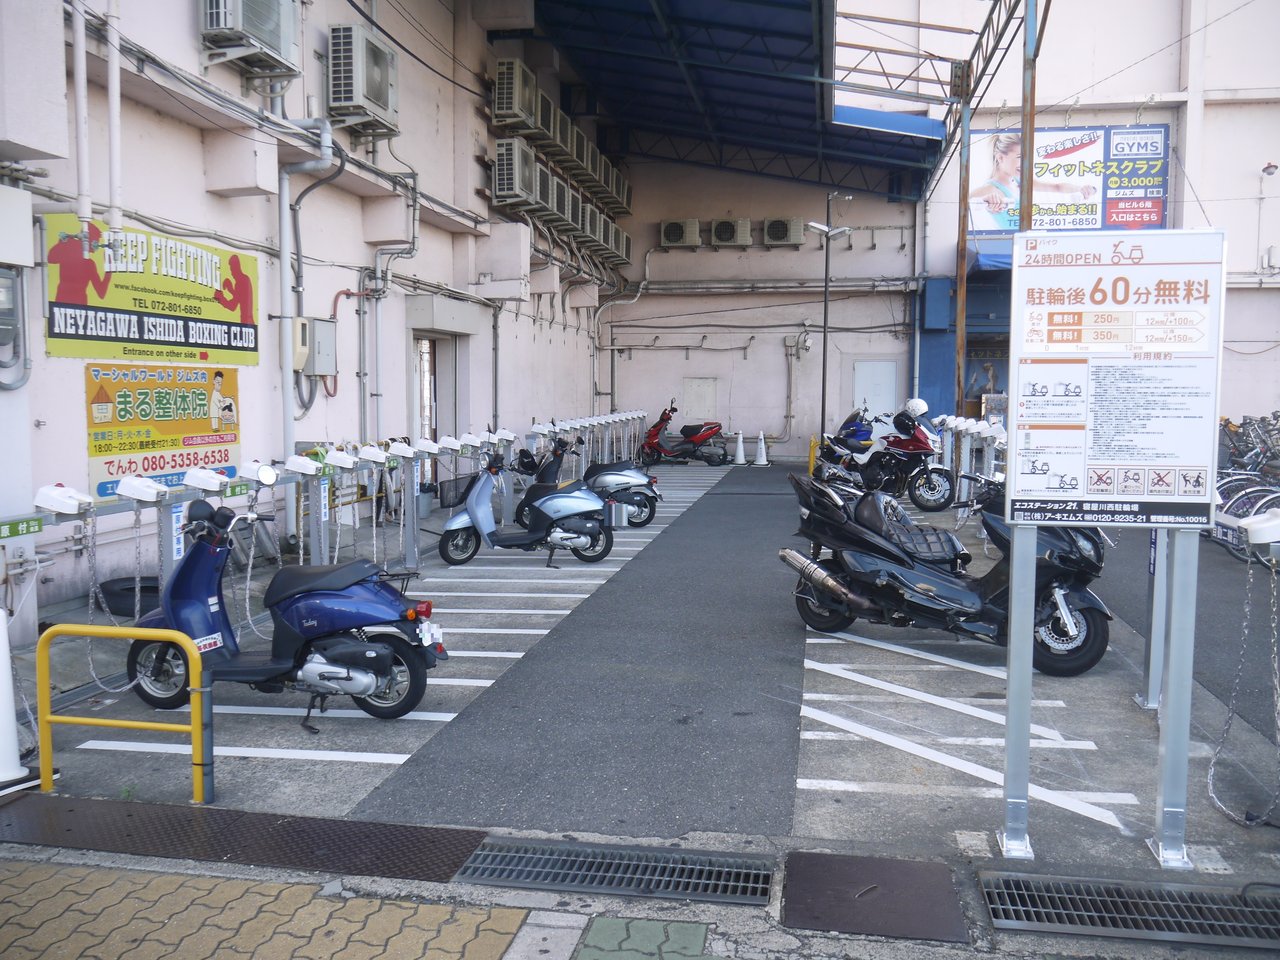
697 441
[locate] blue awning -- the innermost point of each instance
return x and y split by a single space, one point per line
990 253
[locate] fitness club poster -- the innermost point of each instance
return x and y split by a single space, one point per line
148 296
159 421
1086 178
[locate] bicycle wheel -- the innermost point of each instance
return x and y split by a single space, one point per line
1230 485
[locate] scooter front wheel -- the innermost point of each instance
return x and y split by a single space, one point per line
159 674
1058 655
459 546
407 684
599 548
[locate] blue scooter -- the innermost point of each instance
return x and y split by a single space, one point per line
559 516
341 629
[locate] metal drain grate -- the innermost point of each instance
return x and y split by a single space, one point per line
1180 913
624 871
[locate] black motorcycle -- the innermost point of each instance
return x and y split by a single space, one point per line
868 560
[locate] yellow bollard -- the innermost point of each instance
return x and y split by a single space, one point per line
45 717
813 452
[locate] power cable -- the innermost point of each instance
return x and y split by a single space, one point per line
413 56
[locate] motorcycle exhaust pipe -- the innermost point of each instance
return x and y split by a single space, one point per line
813 574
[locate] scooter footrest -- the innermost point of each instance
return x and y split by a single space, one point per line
520 539
249 667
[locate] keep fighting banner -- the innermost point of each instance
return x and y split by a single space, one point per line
148 297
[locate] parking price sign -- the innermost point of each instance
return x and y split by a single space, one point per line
1114 358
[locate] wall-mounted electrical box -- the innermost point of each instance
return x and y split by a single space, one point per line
322 358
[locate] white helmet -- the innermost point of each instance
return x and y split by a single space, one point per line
916 407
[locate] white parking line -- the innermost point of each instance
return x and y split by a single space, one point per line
345 713
490 593
953 790
461 579
451 611
520 631
492 654
997 672
945 703
1053 797
342 756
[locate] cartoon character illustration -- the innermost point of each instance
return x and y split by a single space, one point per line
222 410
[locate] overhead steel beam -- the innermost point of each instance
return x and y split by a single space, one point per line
673 42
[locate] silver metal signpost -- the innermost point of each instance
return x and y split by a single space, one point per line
1169 843
1014 841
1153 663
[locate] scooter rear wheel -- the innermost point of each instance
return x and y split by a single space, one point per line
821 618
160 672
599 549
647 456
459 546
647 512
408 681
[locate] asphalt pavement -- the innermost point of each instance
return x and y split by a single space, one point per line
670 696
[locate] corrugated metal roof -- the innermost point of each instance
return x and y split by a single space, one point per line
743 85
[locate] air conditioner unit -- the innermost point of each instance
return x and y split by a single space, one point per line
362 80
624 248
515 96
591 221
514 174
564 135
731 233
542 180
545 129
605 175
622 190
256 36
783 232
560 199
576 206
593 165
579 149
680 233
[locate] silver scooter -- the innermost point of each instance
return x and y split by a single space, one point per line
626 483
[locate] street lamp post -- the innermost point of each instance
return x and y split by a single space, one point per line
828 233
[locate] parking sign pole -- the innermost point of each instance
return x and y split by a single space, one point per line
1153 664
1015 844
1170 841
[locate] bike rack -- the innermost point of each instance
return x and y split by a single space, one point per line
200 728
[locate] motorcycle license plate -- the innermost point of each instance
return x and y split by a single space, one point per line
430 633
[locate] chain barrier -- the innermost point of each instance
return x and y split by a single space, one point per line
95 588
1247 819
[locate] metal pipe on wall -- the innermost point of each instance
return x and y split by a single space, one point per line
80 86
323 162
115 165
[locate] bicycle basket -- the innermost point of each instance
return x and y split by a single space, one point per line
453 491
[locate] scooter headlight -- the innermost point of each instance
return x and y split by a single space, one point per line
1087 546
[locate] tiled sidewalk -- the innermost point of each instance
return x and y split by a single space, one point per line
57 911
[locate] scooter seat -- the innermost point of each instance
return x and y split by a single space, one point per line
598 468
691 430
291 581
882 515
